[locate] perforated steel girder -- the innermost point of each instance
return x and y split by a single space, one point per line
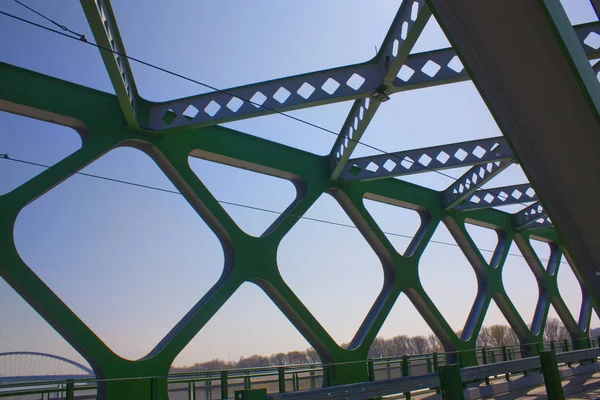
500 196
474 152
100 119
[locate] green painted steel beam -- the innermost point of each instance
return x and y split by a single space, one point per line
103 125
101 18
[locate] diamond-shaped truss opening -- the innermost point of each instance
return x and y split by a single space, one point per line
570 289
147 247
495 332
520 284
27 140
555 330
579 11
275 49
513 175
297 134
542 251
398 224
26 330
486 240
331 268
230 338
253 200
403 332
454 294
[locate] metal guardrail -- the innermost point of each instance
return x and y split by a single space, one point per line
400 374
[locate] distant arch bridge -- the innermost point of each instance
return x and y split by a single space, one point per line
22 366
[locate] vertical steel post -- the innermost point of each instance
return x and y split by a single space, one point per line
505 358
451 383
70 390
485 361
406 372
224 388
371 370
281 375
154 388
554 389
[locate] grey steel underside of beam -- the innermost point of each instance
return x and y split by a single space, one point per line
399 41
532 72
532 216
102 22
418 70
500 196
473 152
472 180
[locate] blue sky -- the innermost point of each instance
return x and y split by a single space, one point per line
131 262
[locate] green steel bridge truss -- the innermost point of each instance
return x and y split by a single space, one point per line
172 131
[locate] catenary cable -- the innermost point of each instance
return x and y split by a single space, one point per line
82 38
234 204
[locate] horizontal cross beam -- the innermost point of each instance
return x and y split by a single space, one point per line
532 217
102 22
500 196
407 162
328 86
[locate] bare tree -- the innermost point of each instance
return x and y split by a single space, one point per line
312 356
297 357
555 330
484 339
419 345
279 359
435 346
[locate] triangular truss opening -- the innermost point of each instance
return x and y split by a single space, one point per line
403 332
253 200
222 343
145 242
26 140
446 273
495 332
485 239
399 224
26 331
331 268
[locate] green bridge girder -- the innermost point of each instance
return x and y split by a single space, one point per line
104 122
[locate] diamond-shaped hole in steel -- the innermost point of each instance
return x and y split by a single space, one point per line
592 40
516 194
530 192
479 152
372 167
235 103
190 112
169 117
405 73
461 154
281 95
404 32
361 113
395 47
355 81
503 196
443 157
389 165
475 199
212 108
455 65
306 90
489 167
330 86
355 123
481 173
425 160
258 99
414 11
488 198
430 69
354 170
407 162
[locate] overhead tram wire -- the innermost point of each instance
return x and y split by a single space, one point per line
4 156
83 39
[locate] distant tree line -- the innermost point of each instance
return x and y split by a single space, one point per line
489 336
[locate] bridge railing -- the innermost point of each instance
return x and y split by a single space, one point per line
214 385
